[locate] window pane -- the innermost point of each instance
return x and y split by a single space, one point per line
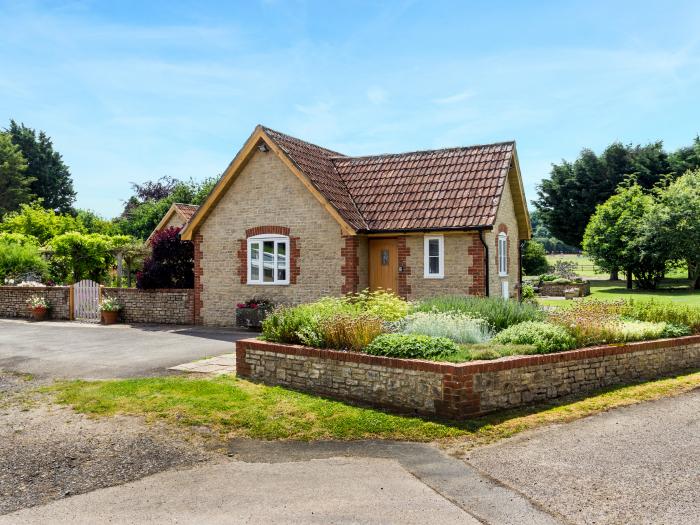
434 248
254 251
254 272
281 255
281 274
434 265
268 261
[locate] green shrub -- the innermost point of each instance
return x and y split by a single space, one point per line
676 330
411 346
527 294
534 258
548 277
657 311
386 305
497 312
639 331
459 327
545 337
349 332
17 259
561 280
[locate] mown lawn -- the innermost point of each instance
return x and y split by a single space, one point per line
587 269
237 408
673 290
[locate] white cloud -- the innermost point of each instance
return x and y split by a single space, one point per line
376 95
458 97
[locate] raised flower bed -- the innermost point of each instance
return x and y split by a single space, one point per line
252 313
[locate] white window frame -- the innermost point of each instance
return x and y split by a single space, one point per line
502 254
426 257
260 239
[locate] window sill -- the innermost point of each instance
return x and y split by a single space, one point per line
502 274
267 284
433 276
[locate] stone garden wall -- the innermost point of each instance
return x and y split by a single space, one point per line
161 306
13 300
465 389
549 289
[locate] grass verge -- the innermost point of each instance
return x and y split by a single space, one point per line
237 408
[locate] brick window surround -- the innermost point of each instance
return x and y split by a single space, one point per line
294 252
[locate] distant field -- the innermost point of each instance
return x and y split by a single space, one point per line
586 268
674 290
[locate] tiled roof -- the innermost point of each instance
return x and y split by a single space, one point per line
441 189
186 210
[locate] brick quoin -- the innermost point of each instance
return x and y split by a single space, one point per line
294 251
351 262
198 283
476 270
403 252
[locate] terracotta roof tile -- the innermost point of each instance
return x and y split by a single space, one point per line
186 210
439 189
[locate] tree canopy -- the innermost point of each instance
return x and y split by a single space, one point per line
15 183
568 198
51 178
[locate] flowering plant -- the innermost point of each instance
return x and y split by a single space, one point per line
37 302
110 304
257 303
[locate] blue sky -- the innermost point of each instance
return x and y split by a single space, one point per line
132 92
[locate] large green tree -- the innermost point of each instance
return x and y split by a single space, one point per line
76 256
615 237
15 184
44 224
675 222
52 179
568 198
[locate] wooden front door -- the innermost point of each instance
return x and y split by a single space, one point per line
383 265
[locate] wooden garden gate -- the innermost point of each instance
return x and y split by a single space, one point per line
85 300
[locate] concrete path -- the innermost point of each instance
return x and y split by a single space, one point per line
80 350
223 364
320 491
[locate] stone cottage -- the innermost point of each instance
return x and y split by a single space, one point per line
292 222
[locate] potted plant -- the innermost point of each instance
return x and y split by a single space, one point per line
251 313
38 307
109 310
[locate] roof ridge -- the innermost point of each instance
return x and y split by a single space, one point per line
422 151
292 137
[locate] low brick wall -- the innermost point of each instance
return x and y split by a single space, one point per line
464 389
13 300
557 290
161 306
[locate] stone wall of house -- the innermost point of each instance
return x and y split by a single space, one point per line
267 193
465 389
504 217
162 306
13 300
458 261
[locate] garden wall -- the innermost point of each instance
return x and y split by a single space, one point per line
13 300
161 306
549 289
465 389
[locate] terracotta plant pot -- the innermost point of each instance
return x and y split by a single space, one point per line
39 314
110 317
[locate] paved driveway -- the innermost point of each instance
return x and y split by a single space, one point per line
87 351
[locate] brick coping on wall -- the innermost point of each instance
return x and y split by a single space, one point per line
458 369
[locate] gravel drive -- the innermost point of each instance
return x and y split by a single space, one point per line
48 453
639 464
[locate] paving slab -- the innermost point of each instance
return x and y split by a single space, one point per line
224 364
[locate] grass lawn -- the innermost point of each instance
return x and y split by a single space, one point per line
673 290
237 408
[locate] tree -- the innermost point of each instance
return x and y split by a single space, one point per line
685 159
129 254
52 179
534 259
675 221
569 197
171 264
35 220
143 213
15 184
19 258
614 237
76 256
